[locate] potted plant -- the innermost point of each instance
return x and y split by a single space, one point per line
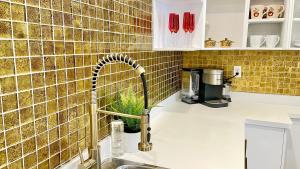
127 102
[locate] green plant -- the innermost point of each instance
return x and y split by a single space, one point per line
128 103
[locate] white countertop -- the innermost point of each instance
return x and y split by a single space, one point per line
195 136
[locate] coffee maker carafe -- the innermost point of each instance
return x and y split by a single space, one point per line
191 78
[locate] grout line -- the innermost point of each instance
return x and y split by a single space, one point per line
16 85
44 77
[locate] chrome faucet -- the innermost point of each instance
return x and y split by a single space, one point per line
94 160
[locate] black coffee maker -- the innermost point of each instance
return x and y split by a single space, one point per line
209 88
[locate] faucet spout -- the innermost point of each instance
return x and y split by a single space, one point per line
144 145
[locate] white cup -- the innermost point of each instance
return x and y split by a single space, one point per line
272 41
275 11
256 41
258 11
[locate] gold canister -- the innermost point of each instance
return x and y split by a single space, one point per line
226 43
209 43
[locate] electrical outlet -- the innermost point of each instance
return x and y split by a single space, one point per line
237 69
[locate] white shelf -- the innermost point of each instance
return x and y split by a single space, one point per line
257 21
296 19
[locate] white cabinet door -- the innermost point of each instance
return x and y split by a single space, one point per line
293 146
265 146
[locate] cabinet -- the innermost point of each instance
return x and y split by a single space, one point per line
224 19
163 39
293 146
265 147
273 26
295 26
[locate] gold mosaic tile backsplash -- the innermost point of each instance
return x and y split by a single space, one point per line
47 51
271 72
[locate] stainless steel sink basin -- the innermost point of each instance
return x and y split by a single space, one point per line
115 163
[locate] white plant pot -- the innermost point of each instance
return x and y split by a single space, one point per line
131 141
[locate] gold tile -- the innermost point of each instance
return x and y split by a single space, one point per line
21 48
39 95
5 30
8 84
49 63
71 74
9 102
69 48
42 140
61 77
25 99
30 160
22 65
44 165
46 16
60 62
46 3
41 125
36 64
58 33
64 130
47 32
58 17
62 103
51 92
1 118
27 130
2 157
6 49
18 12
4 10
53 134
19 30
54 161
40 110
57 5
54 148
52 106
67 5
29 146
16 165
7 67
33 14
13 136
52 121
24 82
14 152
38 80
34 31
26 115
50 78
43 153
48 48
65 155
11 120
33 2
35 48
2 141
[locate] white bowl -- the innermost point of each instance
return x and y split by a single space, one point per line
297 43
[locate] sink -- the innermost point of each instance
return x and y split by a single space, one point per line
135 167
115 163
